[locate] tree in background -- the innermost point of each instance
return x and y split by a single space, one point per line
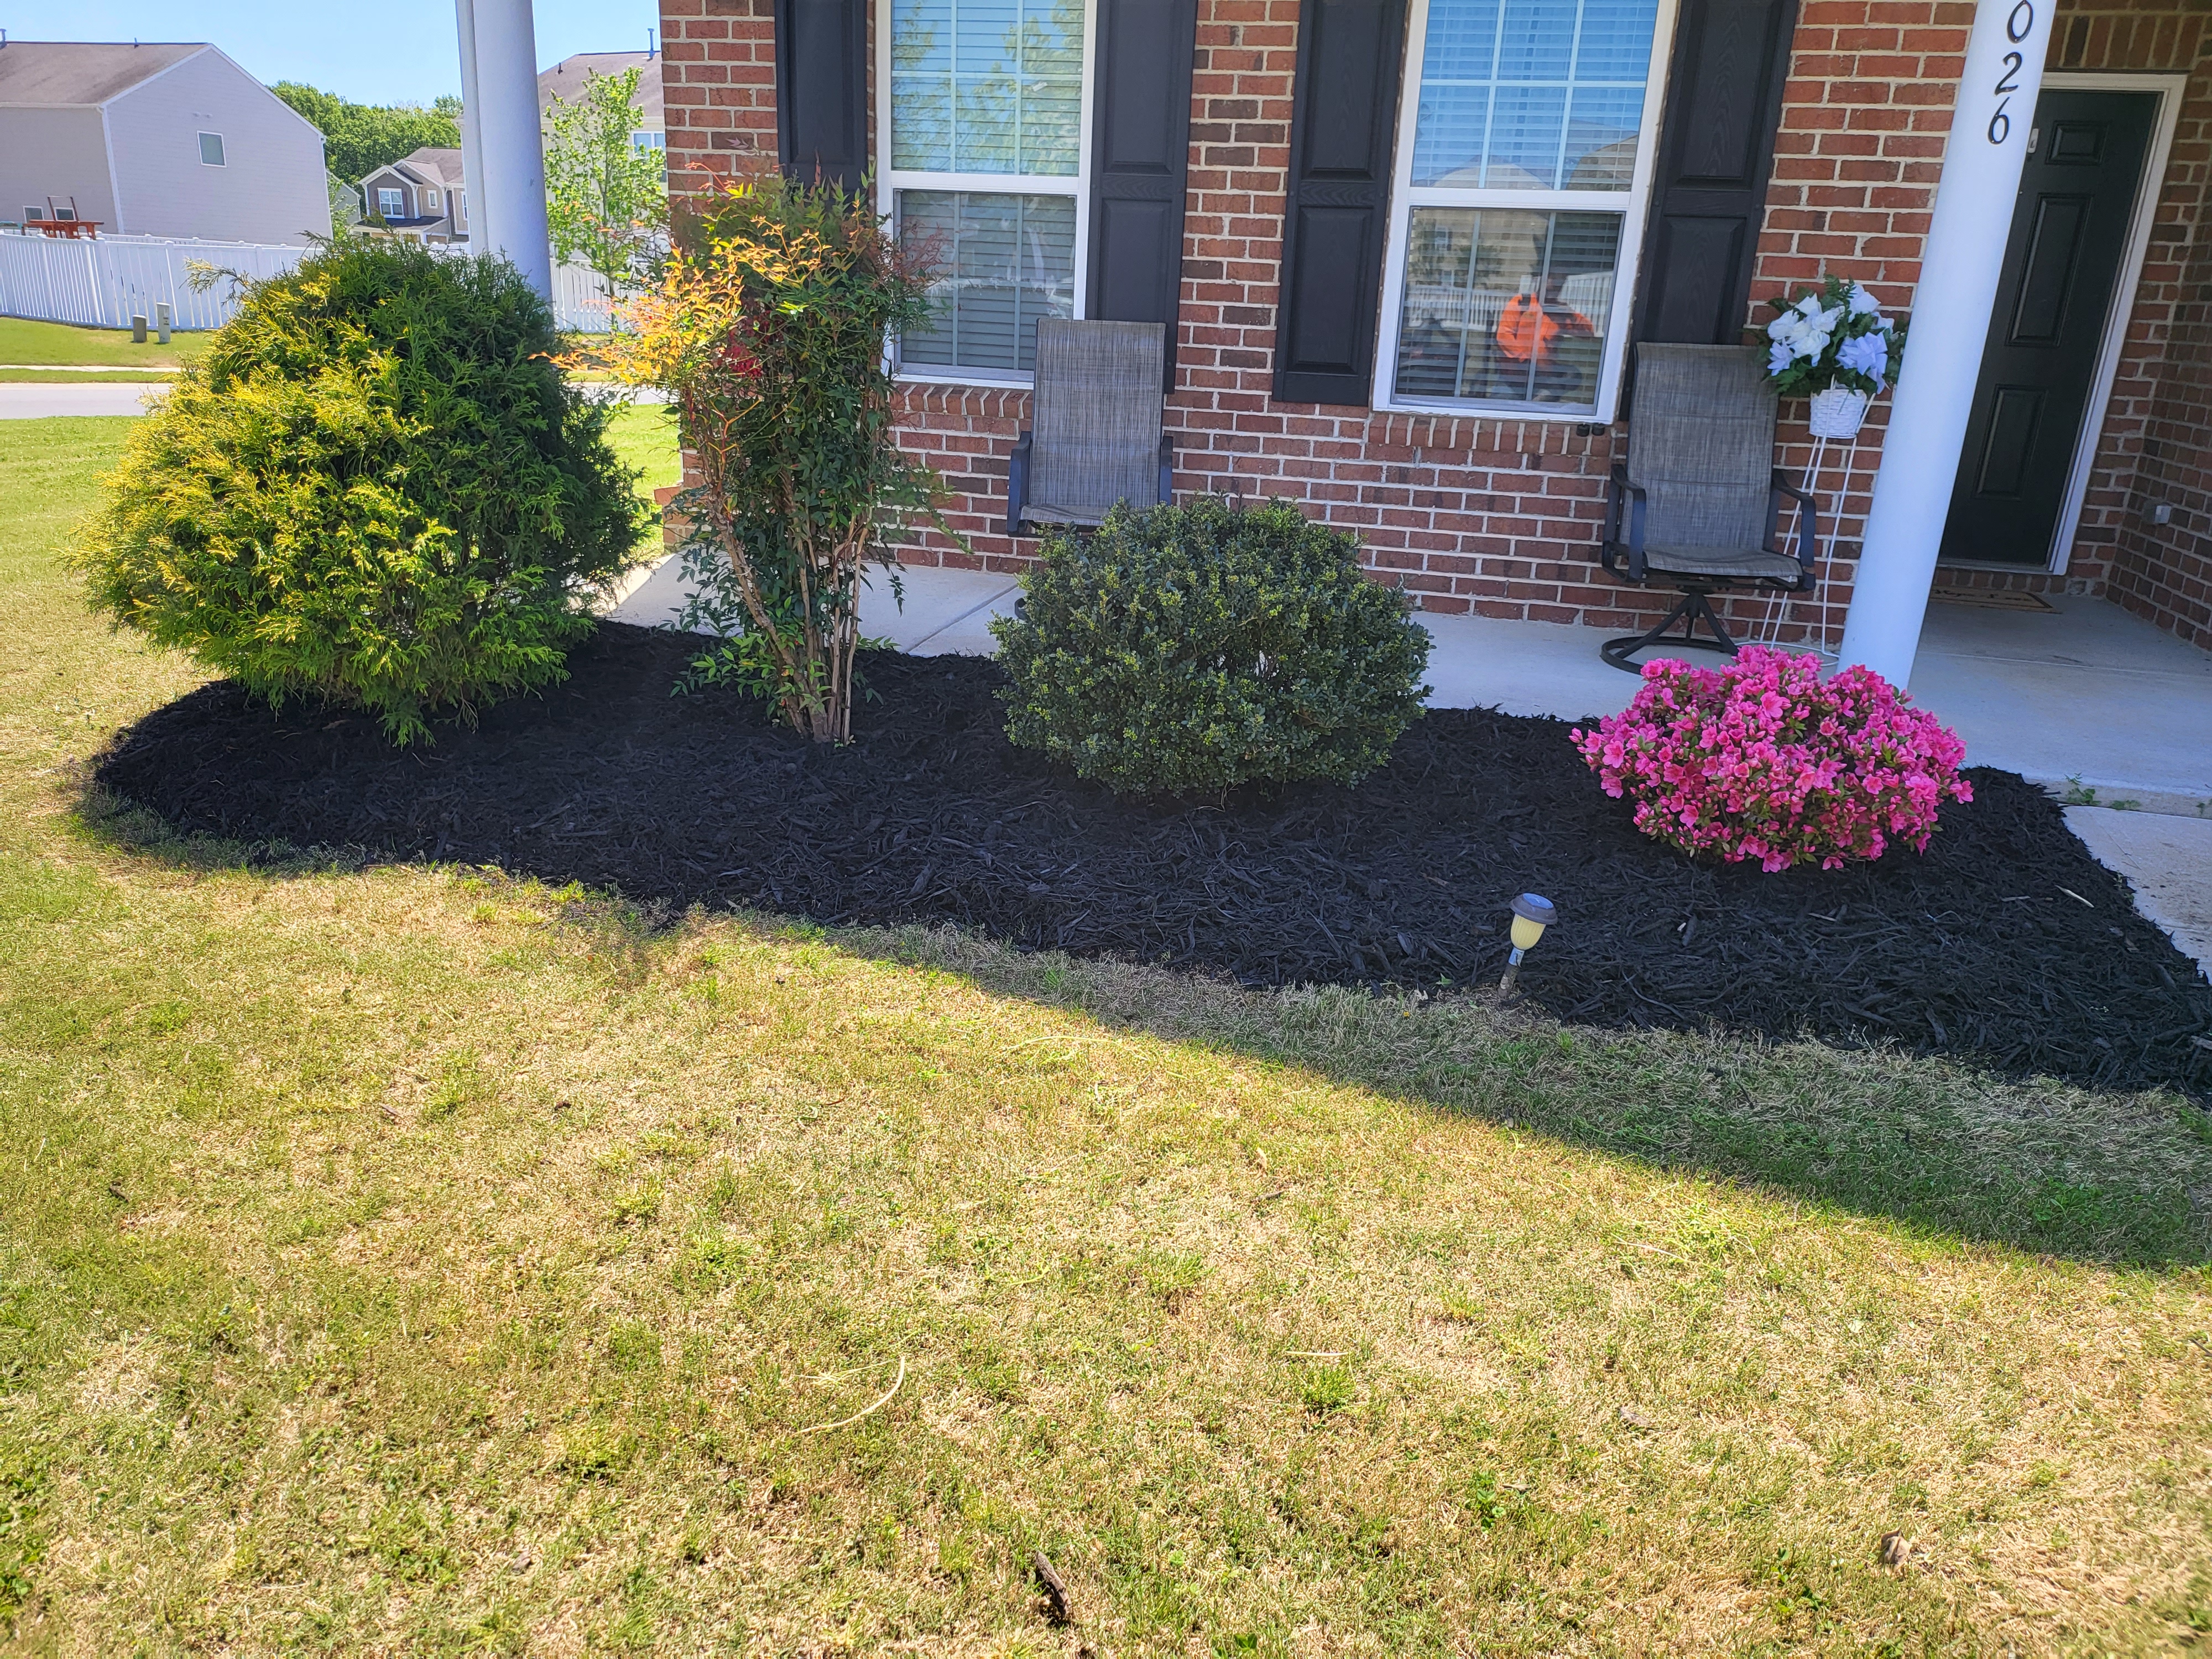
359 138
606 201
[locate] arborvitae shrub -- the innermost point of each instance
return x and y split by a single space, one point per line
1195 647
375 488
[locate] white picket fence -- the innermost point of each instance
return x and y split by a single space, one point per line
105 282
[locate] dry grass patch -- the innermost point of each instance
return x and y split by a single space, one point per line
408 1260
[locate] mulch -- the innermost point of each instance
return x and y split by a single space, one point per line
2006 942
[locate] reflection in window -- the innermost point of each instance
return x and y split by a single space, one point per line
1505 304
1504 298
1007 260
992 87
987 85
1532 94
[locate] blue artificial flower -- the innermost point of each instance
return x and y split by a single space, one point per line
1862 302
1868 354
1779 356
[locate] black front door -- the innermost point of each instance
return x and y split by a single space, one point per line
2062 260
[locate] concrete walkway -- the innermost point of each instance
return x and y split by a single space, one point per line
2166 859
2089 698
26 402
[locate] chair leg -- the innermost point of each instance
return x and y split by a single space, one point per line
1696 603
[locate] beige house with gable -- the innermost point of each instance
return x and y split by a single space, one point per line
154 139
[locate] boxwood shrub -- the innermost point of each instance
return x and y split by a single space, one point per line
375 488
1194 647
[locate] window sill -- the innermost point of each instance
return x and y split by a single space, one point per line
973 380
1549 414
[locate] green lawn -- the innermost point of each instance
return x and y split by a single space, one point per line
414 1261
48 348
645 438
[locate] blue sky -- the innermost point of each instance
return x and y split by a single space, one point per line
393 51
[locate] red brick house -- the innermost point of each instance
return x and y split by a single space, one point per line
1361 216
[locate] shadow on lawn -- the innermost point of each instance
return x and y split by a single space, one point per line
1944 1147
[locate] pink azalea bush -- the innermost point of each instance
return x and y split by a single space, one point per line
1761 759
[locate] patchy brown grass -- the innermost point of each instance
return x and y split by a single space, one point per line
414 1261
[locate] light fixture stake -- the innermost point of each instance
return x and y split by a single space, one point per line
1532 915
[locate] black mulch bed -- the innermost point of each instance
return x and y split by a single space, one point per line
1978 947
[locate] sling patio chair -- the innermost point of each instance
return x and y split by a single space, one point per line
1097 439
1699 499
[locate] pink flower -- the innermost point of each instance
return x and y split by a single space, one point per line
1761 760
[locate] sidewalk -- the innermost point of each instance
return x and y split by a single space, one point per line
25 401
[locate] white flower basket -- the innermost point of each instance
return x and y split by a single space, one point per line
1838 412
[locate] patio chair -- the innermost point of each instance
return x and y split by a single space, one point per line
1700 494
1096 438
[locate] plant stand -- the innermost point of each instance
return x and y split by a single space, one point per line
1776 612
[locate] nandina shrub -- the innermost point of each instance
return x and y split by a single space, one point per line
1762 759
374 488
767 330
1194 647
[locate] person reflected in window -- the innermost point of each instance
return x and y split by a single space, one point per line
1548 345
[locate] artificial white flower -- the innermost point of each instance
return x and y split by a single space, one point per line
1862 302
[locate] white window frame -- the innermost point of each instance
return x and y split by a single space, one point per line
1633 205
383 190
221 150
890 182
429 199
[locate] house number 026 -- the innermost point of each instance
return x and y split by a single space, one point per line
2017 26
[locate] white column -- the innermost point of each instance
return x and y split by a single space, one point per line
1951 306
513 206
465 15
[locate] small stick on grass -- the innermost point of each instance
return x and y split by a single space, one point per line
1062 1609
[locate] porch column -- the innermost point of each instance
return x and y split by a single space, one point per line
1959 265
511 206
465 15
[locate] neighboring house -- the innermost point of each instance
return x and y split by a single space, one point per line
566 80
420 198
1340 208
155 139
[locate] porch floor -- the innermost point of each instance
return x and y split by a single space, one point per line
2087 695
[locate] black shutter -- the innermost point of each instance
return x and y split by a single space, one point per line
822 89
1344 117
1141 161
1716 150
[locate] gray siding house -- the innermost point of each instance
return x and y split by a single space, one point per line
420 198
154 139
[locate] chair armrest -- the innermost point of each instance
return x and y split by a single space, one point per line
1167 467
1018 484
1809 521
1621 493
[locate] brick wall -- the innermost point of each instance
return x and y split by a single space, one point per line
1502 517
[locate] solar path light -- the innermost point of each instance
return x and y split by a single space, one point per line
1531 916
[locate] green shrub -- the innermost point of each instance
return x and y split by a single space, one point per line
375 488
1195 647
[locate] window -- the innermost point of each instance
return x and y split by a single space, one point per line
430 201
983 113
30 213
211 149
1523 165
642 142
391 204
